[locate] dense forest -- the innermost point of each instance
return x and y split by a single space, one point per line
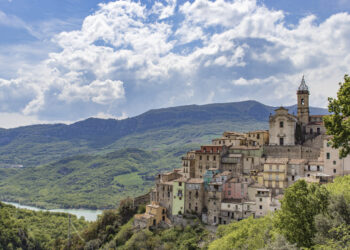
312 216
25 229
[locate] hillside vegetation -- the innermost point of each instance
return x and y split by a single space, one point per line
312 216
25 229
41 144
90 181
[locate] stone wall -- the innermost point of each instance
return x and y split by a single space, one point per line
142 200
296 152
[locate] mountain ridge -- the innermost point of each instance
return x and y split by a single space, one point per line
39 144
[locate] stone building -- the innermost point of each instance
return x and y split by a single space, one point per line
163 192
258 137
188 164
275 174
242 159
313 167
208 157
214 198
194 196
282 128
295 170
303 103
235 188
230 139
236 209
154 215
333 164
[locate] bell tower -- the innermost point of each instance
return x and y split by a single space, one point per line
303 103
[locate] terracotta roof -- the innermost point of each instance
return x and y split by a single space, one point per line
297 161
316 163
276 160
257 185
195 180
225 173
232 200
181 179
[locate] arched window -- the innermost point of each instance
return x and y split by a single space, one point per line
302 101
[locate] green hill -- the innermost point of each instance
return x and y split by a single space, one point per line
41 144
89 181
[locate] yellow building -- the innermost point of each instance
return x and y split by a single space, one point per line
275 174
154 215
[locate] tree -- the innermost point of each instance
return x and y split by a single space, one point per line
338 123
300 204
334 226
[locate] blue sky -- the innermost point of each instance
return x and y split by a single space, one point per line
63 61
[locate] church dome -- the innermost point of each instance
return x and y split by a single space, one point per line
303 86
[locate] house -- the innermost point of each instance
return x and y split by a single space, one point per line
154 215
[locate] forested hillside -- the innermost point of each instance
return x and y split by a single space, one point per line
41 144
24 229
89 181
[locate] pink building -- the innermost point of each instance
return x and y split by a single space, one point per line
235 188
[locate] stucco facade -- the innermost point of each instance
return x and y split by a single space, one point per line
179 196
275 174
282 128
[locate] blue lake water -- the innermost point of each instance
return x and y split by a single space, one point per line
89 215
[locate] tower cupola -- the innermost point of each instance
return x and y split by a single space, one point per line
303 103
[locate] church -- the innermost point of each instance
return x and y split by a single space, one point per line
286 129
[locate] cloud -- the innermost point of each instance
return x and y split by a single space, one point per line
128 57
100 92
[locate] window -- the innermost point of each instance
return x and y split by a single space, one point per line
281 124
258 136
334 162
334 171
308 168
200 157
207 157
260 207
328 155
180 183
318 130
277 177
311 131
229 192
302 101
260 199
318 168
214 158
293 177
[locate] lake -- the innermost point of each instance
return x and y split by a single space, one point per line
89 215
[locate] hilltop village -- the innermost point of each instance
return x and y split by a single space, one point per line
245 174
